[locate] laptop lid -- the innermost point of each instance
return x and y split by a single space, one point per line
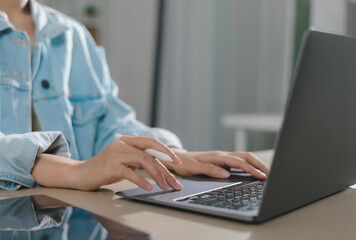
315 154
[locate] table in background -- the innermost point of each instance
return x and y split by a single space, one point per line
242 123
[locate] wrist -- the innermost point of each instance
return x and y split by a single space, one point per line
55 171
74 175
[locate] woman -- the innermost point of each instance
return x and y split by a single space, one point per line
50 64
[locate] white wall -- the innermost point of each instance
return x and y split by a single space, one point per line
330 15
128 35
220 57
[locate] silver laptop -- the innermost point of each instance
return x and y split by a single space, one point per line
315 152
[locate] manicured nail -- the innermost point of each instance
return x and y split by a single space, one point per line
223 174
177 160
263 175
148 187
178 185
165 185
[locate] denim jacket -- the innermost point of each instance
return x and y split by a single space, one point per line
68 82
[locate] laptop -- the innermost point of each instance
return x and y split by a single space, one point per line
315 151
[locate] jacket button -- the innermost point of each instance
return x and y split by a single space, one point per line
45 237
45 84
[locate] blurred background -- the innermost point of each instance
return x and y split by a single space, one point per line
215 72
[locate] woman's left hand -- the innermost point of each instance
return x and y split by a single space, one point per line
216 163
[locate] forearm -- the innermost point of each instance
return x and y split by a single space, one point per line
55 171
115 163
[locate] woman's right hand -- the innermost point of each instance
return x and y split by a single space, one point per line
118 161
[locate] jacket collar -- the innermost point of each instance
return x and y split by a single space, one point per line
49 23
4 24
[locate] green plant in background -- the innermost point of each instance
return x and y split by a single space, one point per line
91 11
302 21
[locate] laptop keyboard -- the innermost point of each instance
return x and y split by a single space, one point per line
238 197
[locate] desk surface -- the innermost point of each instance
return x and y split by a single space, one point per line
330 218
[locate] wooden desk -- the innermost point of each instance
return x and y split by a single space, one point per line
330 218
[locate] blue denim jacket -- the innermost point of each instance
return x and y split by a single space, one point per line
68 80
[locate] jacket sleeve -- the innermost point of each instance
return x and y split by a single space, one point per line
119 116
18 153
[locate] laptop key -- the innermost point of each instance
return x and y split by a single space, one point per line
213 202
244 198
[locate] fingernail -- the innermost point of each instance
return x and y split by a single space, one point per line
148 187
223 174
176 159
178 185
165 185
263 175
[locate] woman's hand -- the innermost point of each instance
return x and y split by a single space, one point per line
115 163
215 163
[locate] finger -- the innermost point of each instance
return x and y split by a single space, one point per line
137 179
131 158
149 164
169 177
237 162
255 161
150 142
211 170
232 160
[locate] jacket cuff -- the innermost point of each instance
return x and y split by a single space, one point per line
18 153
165 136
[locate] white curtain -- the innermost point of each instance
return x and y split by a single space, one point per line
219 57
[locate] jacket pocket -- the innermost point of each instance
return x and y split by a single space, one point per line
14 79
87 110
11 75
